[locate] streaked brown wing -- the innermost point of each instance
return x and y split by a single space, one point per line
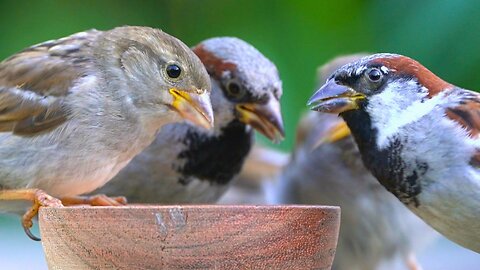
34 82
467 114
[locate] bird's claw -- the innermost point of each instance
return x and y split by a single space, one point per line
40 198
30 234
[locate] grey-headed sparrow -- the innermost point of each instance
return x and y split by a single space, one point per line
76 110
417 134
187 164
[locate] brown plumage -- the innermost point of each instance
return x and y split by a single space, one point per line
409 67
36 80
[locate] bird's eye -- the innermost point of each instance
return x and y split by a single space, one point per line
173 71
374 74
234 90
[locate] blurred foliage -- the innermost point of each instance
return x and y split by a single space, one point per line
296 35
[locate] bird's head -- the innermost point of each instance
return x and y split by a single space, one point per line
246 85
163 73
390 81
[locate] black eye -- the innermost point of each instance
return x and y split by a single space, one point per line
374 74
173 71
235 90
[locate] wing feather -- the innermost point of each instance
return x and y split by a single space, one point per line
35 81
467 114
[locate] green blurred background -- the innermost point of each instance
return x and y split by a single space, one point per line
296 35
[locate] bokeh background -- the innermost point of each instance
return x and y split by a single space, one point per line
296 35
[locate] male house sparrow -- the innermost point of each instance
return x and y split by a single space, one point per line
186 164
375 227
74 111
417 134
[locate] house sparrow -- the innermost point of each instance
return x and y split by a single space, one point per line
417 134
375 227
76 110
186 164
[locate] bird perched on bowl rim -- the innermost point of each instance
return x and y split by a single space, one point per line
76 110
417 134
186 164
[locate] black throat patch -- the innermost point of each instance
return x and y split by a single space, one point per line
216 159
387 164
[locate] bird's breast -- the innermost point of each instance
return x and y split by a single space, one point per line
215 158
423 153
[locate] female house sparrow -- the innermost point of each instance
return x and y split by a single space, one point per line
186 164
417 134
74 111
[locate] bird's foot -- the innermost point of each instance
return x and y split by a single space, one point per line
38 197
412 262
94 200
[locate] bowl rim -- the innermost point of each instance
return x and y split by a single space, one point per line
197 206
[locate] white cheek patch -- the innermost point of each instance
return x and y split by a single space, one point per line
384 69
395 107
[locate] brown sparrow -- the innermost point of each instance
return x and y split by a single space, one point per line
417 134
187 164
76 110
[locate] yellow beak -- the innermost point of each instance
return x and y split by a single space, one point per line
196 108
265 118
336 133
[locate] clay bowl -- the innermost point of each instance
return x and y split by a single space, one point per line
190 237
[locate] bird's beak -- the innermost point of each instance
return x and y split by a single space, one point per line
335 133
335 98
266 118
196 108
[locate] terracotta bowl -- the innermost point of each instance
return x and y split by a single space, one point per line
190 237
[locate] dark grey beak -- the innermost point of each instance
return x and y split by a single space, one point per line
334 98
